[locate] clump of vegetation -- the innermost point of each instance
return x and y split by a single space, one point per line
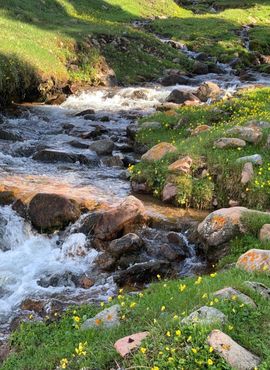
222 172
253 222
159 310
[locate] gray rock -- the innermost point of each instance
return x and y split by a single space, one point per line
250 134
175 79
7 135
228 142
260 124
231 293
52 156
108 318
151 125
85 112
102 147
235 355
113 161
259 288
200 68
127 244
254 159
205 316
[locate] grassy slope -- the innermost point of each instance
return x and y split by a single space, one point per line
41 38
159 309
217 33
223 172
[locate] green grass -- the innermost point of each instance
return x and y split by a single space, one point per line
224 174
46 36
40 346
218 33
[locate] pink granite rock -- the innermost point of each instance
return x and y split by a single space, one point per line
125 345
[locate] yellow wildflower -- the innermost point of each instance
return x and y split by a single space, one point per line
64 363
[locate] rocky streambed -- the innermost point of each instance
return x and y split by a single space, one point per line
70 230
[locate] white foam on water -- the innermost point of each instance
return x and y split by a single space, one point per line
126 99
29 256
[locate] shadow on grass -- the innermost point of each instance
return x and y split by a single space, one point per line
18 80
204 6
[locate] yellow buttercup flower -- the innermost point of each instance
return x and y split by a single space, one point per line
182 287
205 295
198 281
132 304
155 368
210 362
143 350
168 334
213 275
178 333
64 363
163 308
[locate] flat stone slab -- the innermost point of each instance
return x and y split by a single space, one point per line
227 142
231 293
205 316
259 288
107 318
235 355
255 260
125 345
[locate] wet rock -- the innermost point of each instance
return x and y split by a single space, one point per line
231 293
200 129
179 97
102 147
205 316
208 90
6 198
139 148
171 253
94 132
108 318
127 244
118 221
113 161
126 345
200 68
264 234
255 159
19 207
151 125
132 131
106 262
174 79
179 240
166 107
79 144
227 142
85 112
255 260
221 226
49 212
123 147
169 192
7 135
158 151
53 156
140 187
142 272
33 305
247 173
67 279
202 56
85 282
250 134
182 165
259 288
235 355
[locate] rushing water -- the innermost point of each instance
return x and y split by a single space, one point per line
26 256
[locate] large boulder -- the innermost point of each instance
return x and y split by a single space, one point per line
255 260
119 220
159 151
235 355
179 97
49 212
208 90
221 226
